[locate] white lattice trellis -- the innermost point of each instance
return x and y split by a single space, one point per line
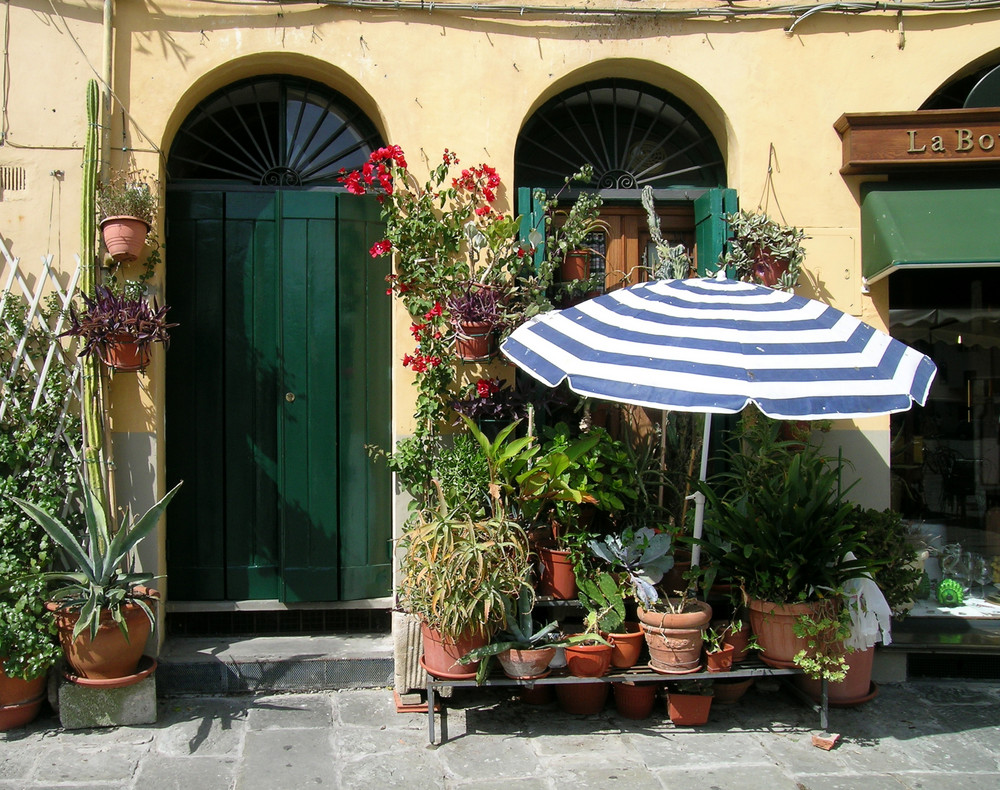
47 282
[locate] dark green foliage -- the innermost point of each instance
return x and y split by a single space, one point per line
35 464
886 536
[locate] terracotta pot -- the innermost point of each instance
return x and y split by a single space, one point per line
110 654
536 695
728 691
575 266
588 661
635 700
721 660
557 578
854 689
767 266
442 653
474 341
626 647
675 640
20 700
582 699
774 626
126 355
688 710
525 664
124 237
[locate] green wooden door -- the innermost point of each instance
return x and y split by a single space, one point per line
278 376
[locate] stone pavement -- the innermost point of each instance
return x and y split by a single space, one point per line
923 734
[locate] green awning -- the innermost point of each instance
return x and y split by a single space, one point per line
905 227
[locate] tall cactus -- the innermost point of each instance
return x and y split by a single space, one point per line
93 411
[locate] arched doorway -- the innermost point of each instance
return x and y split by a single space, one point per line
634 135
279 370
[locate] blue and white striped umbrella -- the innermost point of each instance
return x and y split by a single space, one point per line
716 345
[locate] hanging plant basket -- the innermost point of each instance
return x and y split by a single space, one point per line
125 355
474 341
124 237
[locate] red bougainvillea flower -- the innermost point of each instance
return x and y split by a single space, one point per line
434 312
416 329
380 248
487 387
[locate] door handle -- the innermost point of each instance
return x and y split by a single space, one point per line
290 397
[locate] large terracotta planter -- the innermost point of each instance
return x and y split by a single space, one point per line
442 653
635 700
588 661
582 699
124 237
688 710
20 700
854 689
675 640
774 626
626 647
557 578
526 664
110 654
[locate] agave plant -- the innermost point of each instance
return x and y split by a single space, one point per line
103 578
111 319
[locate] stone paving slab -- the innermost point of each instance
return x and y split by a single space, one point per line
920 736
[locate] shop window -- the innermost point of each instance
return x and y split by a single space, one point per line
945 456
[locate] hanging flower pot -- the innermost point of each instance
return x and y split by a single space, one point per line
474 341
125 355
124 237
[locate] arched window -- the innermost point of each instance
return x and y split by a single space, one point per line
272 130
633 134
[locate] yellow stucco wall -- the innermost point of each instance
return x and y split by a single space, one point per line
468 81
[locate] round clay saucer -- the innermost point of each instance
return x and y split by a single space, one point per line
663 671
438 673
545 674
147 664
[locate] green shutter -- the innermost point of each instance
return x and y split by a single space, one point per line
532 216
711 228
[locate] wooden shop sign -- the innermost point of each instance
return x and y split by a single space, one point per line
879 142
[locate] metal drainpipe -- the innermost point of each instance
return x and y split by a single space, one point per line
106 62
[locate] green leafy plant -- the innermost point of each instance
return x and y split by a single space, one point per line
602 598
130 193
715 636
672 260
888 538
825 656
36 463
763 250
776 522
456 570
643 556
103 579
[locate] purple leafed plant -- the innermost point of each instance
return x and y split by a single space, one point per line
475 304
111 319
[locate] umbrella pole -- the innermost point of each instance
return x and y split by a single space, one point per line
698 496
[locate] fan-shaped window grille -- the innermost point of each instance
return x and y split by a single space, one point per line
632 133
279 131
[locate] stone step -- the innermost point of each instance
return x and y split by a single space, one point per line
240 665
